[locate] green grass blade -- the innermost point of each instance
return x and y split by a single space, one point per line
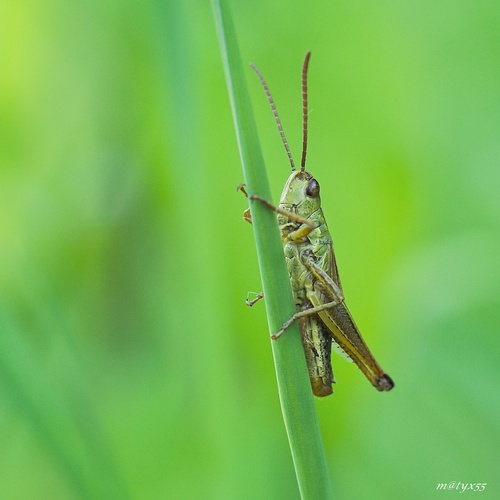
296 397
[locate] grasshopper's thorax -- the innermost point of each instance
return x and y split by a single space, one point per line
301 194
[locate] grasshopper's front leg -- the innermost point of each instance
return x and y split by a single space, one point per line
306 225
305 228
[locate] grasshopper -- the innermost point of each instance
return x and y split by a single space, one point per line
322 314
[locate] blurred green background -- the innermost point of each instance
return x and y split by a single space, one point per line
129 364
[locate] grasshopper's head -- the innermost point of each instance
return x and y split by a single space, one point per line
301 194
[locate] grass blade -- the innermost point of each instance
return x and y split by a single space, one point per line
295 393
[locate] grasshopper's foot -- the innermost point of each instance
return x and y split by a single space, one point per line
258 296
246 214
285 325
241 187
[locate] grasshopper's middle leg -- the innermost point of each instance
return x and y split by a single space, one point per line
302 314
317 278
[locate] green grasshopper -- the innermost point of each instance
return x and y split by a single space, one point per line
323 317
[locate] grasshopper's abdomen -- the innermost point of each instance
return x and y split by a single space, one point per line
316 340
317 343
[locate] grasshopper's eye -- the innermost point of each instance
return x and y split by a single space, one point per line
312 189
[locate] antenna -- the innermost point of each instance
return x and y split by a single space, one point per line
305 66
275 112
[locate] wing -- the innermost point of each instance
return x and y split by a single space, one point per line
324 288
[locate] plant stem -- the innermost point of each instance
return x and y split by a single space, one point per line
296 398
